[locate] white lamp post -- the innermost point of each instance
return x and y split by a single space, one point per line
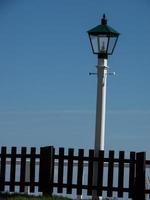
103 40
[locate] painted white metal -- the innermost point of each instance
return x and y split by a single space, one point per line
101 105
102 69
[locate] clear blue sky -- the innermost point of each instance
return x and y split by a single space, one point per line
46 95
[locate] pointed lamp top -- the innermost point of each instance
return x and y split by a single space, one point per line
104 20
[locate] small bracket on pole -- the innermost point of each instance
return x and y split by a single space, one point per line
112 73
92 73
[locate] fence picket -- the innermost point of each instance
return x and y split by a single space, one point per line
110 174
140 177
60 170
121 174
45 171
90 172
100 172
23 169
131 174
32 169
80 171
3 168
70 171
13 169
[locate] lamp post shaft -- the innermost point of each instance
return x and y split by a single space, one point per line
101 104
100 117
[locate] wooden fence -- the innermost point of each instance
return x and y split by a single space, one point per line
67 177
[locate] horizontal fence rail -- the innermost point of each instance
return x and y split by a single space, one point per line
49 170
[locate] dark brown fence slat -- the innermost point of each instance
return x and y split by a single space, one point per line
100 172
90 171
121 174
3 169
13 169
32 169
70 171
80 171
45 171
140 177
60 170
23 169
131 174
110 174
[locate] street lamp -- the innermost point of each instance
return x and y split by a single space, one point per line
103 39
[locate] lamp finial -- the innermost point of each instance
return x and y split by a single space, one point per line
104 20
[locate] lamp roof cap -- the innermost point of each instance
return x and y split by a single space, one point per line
104 29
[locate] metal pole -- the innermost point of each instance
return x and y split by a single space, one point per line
101 104
102 69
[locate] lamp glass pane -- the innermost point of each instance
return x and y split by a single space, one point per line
102 41
94 43
99 43
111 45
